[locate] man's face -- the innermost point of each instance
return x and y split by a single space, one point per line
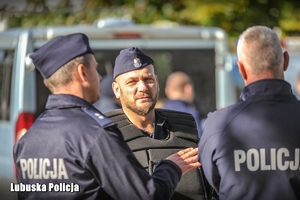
137 90
94 79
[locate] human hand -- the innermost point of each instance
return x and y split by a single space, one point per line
186 159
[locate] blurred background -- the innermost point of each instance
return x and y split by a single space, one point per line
233 16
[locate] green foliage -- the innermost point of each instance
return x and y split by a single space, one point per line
233 15
290 20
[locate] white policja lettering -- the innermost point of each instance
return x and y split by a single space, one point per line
257 160
40 168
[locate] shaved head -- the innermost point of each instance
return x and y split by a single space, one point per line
180 86
177 80
259 49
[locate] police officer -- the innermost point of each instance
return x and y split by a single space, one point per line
73 151
151 133
180 92
250 150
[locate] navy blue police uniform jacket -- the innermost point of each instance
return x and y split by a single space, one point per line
251 150
72 151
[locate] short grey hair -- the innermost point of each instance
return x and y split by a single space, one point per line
65 75
259 46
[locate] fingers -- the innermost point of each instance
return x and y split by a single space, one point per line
187 153
192 159
190 167
184 151
186 159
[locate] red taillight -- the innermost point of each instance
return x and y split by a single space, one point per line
283 43
127 35
25 120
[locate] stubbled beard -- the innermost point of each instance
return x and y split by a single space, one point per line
141 110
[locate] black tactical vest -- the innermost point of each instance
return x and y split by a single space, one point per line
182 134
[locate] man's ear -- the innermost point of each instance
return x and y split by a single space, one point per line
158 88
80 73
116 89
286 60
242 70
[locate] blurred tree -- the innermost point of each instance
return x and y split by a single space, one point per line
233 16
290 17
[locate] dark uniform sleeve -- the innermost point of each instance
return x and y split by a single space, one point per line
207 147
122 177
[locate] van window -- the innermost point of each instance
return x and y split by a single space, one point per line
6 65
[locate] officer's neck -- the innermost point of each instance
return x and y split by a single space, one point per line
143 122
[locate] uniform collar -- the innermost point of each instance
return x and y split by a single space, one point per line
160 131
266 87
160 120
65 101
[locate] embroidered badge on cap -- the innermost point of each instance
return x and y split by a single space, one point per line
131 59
137 63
